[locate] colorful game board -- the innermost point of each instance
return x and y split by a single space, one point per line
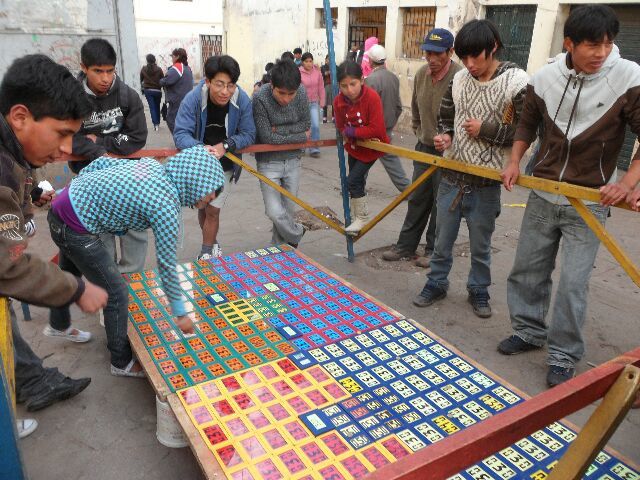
314 379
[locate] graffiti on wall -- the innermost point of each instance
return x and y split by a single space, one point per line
162 48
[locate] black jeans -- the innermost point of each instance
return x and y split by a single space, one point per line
421 208
357 178
85 254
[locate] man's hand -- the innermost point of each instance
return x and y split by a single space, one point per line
510 175
45 198
633 199
442 142
472 127
185 324
217 151
92 137
613 193
93 298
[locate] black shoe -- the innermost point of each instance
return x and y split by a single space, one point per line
429 295
65 389
557 375
479 300
515 345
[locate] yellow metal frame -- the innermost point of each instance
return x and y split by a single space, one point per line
6 348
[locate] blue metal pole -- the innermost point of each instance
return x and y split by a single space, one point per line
341 160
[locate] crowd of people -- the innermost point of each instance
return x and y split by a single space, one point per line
483 112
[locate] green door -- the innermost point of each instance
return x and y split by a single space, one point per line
515 24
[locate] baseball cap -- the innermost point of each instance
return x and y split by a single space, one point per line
377 53
438 40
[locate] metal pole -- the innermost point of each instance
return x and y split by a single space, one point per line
341 161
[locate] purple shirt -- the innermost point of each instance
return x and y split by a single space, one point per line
62 207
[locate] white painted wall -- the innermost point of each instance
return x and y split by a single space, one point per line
163 25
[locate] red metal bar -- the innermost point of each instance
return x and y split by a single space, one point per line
471 445
167 152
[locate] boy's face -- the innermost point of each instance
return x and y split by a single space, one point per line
43 141
297 56
588 56
99 78
479 64
283 96
221 88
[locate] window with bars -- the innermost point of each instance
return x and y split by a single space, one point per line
367 22
416 23
321 21
515 24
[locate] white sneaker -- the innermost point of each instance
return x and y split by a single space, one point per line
205 256
126 371
72 334
26 426
216 251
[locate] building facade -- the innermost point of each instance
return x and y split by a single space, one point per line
195 25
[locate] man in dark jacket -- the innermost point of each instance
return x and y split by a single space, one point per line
388 87
41 107
116 125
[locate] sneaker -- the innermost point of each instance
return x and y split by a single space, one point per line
424 262
315 154
127 371
205 256
395 254
65 389
216 251
479 300
514 345
429 296
156 127
26 426
72 334
557 375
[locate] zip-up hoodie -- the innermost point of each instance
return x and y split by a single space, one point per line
192 119
313 85
114 195
23 276
584 118
117 120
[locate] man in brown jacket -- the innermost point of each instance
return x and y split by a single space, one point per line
41 107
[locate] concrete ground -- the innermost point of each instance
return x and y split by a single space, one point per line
108 431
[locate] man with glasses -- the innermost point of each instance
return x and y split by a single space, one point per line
218 114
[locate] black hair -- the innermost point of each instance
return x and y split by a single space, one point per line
285 74
97 51
475 37
348 69
151 58
46 88
297 50
306 55
257 84
266 78
287 56
181 53
592 23
224 64
268 67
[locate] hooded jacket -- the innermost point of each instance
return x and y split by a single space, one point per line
366 68
192 119
177 83
366 117
114 195
313 85
117 120
22 276
584 118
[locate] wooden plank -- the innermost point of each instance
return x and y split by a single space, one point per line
473 444
157 382
396 201
600 427
560 188
608 241
206 459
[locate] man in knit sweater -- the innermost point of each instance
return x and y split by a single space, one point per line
477 122
429 86
281 115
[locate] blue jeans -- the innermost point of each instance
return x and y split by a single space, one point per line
480 208
279 208
314 111
85 254
153 99
529 285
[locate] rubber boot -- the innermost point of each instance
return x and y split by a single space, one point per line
360 214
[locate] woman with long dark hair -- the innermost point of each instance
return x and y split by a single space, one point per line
150 76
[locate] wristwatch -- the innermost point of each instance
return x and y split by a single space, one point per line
225 145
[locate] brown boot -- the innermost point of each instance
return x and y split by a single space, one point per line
424 262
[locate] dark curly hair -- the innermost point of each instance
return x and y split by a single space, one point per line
46 88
